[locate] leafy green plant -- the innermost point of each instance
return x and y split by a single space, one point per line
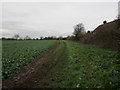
16 54
92 67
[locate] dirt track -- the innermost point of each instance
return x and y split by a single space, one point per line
30 75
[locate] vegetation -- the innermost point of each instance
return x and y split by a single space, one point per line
16 36
73 64
92 67
57 64
79 31
84 66
16 54
106 35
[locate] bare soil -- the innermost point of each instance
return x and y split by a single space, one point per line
30 75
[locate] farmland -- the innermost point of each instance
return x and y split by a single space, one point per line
70 65
16 54
85 66
92 67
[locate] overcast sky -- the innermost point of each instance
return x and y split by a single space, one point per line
53 19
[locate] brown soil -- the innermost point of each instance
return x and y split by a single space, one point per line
30 75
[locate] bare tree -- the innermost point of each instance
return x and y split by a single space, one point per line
78 31
27 38
16 36
41 38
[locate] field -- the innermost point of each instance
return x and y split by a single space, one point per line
85 66
16 54
92 67
68 65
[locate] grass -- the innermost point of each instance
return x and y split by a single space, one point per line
92 67
18 53
83 66
56 65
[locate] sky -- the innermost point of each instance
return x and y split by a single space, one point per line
37 19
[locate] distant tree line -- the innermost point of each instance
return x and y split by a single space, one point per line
17 37
105 35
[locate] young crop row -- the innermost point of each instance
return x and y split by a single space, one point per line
16 54
84 66
92 67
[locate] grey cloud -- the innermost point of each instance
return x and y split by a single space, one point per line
54 19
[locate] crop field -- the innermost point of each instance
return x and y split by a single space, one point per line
86 66
70 65
92 67
16 54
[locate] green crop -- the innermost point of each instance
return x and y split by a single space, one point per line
85 66
92 67
18 53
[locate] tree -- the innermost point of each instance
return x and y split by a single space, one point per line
16 36
104 22
88 31
27 38
41 38
78 31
